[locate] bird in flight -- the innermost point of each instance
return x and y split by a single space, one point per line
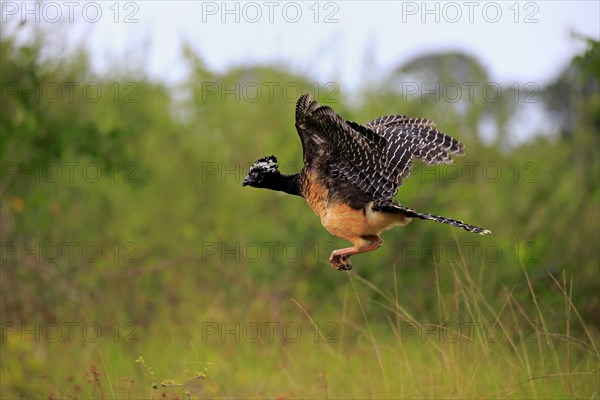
352 172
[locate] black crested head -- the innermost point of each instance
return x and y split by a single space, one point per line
261 172
264 173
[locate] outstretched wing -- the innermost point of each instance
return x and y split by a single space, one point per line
410 138
375 157
318 124
348 150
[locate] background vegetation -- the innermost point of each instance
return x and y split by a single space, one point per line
127 236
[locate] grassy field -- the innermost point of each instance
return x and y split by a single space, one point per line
479 348
135 265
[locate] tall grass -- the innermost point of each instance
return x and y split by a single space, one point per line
482 346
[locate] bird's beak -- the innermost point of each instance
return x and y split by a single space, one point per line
246 181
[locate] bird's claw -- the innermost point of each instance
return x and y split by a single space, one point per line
340 262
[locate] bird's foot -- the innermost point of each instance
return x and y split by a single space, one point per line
340 262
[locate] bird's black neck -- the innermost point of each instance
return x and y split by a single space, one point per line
283 183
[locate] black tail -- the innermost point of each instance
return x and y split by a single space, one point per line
409 212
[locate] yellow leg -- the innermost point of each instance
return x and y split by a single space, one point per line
340 258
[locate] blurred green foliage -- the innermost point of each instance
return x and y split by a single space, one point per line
150 176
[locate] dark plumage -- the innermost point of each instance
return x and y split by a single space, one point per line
352 173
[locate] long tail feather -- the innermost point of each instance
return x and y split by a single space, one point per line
409 212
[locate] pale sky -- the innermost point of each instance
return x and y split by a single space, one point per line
330 41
